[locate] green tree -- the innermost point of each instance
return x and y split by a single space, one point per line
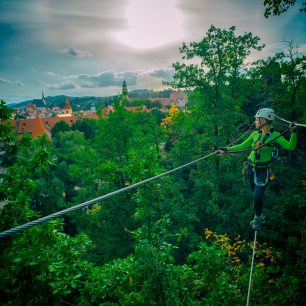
43 266
278 7
8 146
59 127
88 126
222 55
212 189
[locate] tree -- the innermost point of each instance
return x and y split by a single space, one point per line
19 184
293 68
87 126
222 55
214 119
61 126
278 7
8 146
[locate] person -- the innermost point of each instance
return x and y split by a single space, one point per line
260 159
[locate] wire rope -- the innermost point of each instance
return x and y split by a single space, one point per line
241 136
295 123
251 271
94 201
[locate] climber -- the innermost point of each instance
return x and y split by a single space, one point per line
260 159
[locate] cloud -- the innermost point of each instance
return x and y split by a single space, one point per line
19 83
164 74
75 52
106 79
131 77
103 79
52 74
16 59
62 86
302 48
8 82
5 81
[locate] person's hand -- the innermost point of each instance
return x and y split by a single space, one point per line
221 151
292 127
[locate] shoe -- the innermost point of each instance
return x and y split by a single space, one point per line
256 223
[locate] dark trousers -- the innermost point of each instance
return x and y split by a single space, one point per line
258 179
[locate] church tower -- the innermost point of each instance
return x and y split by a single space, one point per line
124 91
67 108
43 98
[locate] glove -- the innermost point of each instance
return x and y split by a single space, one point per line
221 151
292 127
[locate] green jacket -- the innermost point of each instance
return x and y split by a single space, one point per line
265 153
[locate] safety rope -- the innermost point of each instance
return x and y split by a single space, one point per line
236 140
251 271
94 201
282 119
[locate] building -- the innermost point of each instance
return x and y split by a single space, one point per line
67 108
40 126
179 98
39 121
124 91
31 126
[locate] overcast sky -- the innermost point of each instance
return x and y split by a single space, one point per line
81 48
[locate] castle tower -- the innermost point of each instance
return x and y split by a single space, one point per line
124 91
67 108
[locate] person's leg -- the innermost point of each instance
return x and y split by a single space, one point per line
260 185
250 176
258 199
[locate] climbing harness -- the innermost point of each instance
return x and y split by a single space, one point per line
271 175
275 153
262 178
258 143
251 271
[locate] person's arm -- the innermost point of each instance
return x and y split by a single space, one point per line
288 145
244 145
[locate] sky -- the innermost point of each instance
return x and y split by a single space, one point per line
87 48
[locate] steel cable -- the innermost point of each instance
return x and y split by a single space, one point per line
251 271
94 201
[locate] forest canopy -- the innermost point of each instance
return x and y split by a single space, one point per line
184 239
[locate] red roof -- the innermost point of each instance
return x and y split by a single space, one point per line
50 122
39 126
33 127
136 108
31 106
67 104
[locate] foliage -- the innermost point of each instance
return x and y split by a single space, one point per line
8 145
53 274
278 7
145 246
88 126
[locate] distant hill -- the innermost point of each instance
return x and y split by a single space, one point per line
85 103
77 103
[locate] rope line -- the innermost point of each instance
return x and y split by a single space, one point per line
251 271
282 119
94 201
251 126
